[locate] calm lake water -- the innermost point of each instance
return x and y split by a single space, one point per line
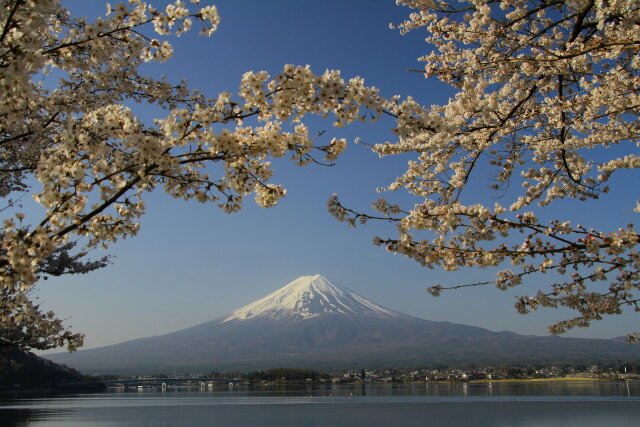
566 403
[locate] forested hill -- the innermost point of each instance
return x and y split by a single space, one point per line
21 370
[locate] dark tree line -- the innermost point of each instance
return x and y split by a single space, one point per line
19 369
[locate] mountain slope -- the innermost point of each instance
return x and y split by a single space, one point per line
312 323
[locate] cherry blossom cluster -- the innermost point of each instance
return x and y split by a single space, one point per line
94 160
547 106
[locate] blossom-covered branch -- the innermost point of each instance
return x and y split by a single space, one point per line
94 159
548 95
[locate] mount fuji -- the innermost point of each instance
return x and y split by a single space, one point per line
309 297
311 322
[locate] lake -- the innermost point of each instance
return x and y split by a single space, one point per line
556 403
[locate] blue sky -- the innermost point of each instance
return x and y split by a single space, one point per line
192 263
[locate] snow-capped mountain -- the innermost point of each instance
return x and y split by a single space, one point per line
311 322
308 297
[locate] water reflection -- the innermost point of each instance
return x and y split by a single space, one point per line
488 389
579 403
548 389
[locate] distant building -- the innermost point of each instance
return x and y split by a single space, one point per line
470 376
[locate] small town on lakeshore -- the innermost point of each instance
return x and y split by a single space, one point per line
54 377
289 376
622 372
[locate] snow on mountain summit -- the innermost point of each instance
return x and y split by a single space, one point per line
308 297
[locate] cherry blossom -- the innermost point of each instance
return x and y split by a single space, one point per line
547 102
95 160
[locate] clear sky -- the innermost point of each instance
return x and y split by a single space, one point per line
192 263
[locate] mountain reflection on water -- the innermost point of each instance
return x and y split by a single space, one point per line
566 403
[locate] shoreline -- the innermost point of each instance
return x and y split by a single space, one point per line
530 380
